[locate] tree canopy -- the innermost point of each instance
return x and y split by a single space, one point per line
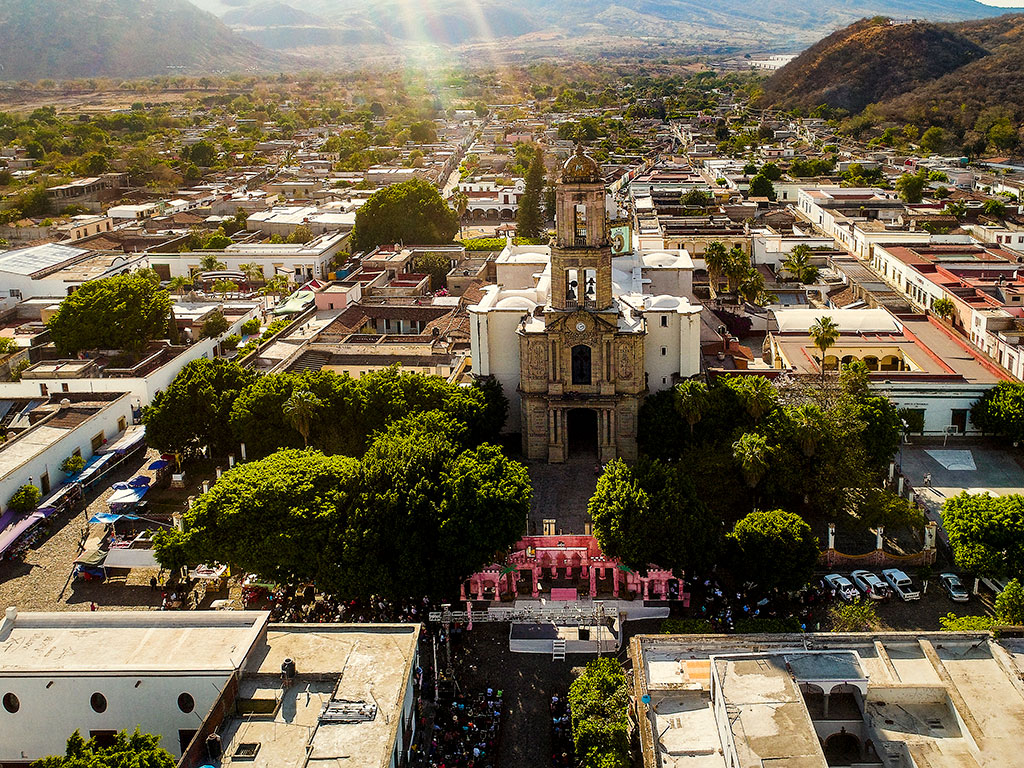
986 533
530 217
138 750
195 408
650 514
599 701
416 515
1000 411
742 439
122 312
774 548
410 212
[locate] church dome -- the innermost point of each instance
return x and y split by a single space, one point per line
580 168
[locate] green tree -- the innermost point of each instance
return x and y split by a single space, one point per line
691 400
934 140
944 308
194 410
435 264
1000 411
415 516
824 334
911 186
986 533
599 702
73 464
137 750
25 499
530 216
716 258
301 407
7 345
215 325
995 208
771 171
858 616
774 549
122 312
953 623
761 186
410 212
202 153
798 264
752 453
301 234
650 514
1010 604
696 198
217 241
179 284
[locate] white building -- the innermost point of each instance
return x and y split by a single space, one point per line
300 262
182 675
489 200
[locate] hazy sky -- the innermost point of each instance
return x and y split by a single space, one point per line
1004 3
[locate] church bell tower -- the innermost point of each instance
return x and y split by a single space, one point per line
581 256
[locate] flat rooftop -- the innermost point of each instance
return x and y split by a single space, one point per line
946 700
353 663
128 642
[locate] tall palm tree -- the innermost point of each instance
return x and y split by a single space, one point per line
715 257
209 263
752 286
757 395
737 267
252 272
460 201
807 420
824 334
300 409
752 453
180 284
798 264
691 399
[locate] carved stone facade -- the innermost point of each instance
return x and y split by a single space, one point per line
582 368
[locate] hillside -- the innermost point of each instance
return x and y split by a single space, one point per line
956 99
945 75
539 27
867 62
120 38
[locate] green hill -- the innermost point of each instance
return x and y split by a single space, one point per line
867 62
120 38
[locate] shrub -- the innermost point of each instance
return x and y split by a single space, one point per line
768 626
231 342
73 464
7 345
16 371
686 627
249 327
953 623
215 325
25 499
854 617
598 700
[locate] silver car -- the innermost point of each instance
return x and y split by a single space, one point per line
954 588
872 586
842 586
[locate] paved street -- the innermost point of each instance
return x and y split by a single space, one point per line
561 493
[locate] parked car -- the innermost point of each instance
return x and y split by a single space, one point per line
843 587
954 588
872 586
901 584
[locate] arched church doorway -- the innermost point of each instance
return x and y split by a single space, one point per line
842 749
581 425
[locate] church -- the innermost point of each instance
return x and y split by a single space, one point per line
578 337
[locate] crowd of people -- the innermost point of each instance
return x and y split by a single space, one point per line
729 611
465 732
304 604
561 732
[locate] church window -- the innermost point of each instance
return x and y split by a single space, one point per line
580 225
590 288
664 321
572 287
581 364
